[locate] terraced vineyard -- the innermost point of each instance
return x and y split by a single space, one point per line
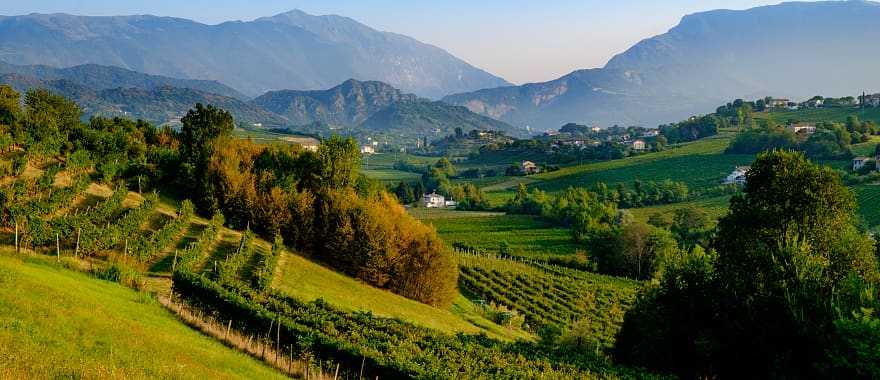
550 296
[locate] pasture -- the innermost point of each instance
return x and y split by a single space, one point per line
57 323
523 235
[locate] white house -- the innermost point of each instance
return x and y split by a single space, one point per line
451 203
871 100
434 200
777 103
528 167
651 133
368 149
860 162
595 129
802 127
639 145
738 176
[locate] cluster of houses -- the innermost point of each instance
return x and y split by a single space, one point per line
865 100
435 200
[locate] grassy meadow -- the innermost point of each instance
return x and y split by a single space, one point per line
525 235
308 281
57 323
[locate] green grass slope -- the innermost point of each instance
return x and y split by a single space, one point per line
699 164
56 323
308 281
525 235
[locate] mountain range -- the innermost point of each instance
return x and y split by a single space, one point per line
292 50
795 50
355 106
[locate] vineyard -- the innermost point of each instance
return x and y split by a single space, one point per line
375 346
243 280
549 296
520 235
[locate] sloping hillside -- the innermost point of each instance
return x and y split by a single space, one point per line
56 323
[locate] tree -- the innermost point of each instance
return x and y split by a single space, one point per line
47 122
786 253
201 127
340 160
10 109
691 226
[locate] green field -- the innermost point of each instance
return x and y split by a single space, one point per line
701 164
714 207
308 281
869 203
56 323
816 115
592 306
525 235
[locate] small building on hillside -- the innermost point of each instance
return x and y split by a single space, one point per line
859 163
738 176
451 203
434 200
814 103
806 128
778 103
595 129
368 149
871 100
528 167
651 133
639 145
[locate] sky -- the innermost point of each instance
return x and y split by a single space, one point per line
520 40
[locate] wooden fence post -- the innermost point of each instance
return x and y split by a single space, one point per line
174 263
76 250
17 250
57 247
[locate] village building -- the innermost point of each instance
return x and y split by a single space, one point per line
639 145
738 176
368 149
651 133
807 128
859 163
595 129
528 167
434 200
814 103
871 100
778 103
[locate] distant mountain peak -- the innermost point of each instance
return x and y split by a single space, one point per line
794 50
288 50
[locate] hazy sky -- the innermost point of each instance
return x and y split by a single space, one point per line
519 40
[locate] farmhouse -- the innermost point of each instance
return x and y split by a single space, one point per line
871 100
738 176
777 103
814 103
368 149
802 128
639 145
860 162
434 200
528 167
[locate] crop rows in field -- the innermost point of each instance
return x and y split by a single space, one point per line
364 344
869 203
549 295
